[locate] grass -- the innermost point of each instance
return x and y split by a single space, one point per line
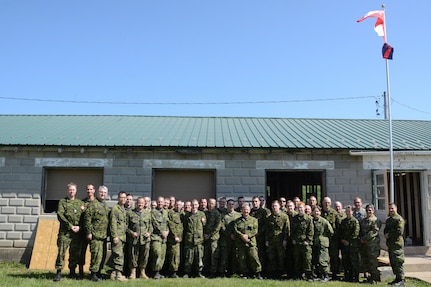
13 274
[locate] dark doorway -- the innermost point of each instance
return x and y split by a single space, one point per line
289 184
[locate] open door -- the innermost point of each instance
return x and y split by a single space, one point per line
380 193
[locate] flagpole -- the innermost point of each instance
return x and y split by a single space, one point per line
391 147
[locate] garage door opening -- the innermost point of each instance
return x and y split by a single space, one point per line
290 184
184 184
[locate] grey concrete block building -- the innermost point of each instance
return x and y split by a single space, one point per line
195 157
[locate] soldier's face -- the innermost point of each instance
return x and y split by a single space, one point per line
290 207
195 206
90 191
256 203
301 209
102 194
392 210
326 204
140 203
370 212
275 207
212 204
71 191
246 211
230 205
178 205
129 200
222 203
316 213
349 212
122 199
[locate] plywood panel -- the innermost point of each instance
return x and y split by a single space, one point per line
45 246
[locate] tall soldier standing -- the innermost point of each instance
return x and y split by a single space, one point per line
393 231
175 238
260 213
84 242
118 228
302 232
277 234
332 216
348 233
69 213
96 224
159 219
370 240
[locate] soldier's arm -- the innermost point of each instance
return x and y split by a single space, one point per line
113 219
61 215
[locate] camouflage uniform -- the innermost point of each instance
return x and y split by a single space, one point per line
261 214
159 219
68 214
96 222
277 230
248 258
323 233
228 260
194 224
289 250
395 242
211 250
118 228
349 231
334 253
139 247
175 225
369 235
302 229
84 240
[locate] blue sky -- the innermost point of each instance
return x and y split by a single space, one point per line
246 58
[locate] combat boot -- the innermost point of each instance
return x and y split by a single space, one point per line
132 273
94 277
158 275
120 277
142 274
57 276
81 272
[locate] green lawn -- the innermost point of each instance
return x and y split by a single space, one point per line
18 275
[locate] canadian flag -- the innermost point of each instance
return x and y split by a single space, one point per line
379 26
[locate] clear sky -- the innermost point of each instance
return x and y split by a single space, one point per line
246 58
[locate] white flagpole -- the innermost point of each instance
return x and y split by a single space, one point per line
391 147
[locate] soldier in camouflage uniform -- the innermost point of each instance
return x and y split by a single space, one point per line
277 235
260 214
159 219
291 212
194 223
84 242
96 224
245 229
138 235
68 214
348 234
211 237
222 205
228 260
302 232
118 228
370 240
393 231
175 238
323 233
334 253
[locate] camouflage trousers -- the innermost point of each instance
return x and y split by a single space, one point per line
65 241
351 261
334 255
173 256
118 255
276 257
302 255
320 259
158 254
98 254
248 259
193 261
396 258
211 255
139 254
228 259
369 257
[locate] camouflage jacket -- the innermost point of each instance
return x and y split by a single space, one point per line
194 224
159 219
302 229
96 219
369 232
249 226
322 232
118 222
395 230
349 230
139 222
175 225
213 224
69 213
226 228
260 214
277 228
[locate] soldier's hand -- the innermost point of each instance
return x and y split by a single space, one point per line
90 236
147 234
116 240
135 234
206 236
294 242
284 243
177 239
232 236
267 243
165 234
305 243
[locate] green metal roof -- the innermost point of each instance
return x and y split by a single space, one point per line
211 132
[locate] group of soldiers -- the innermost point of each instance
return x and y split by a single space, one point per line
205 238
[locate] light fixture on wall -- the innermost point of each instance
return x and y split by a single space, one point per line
60 150
82 150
